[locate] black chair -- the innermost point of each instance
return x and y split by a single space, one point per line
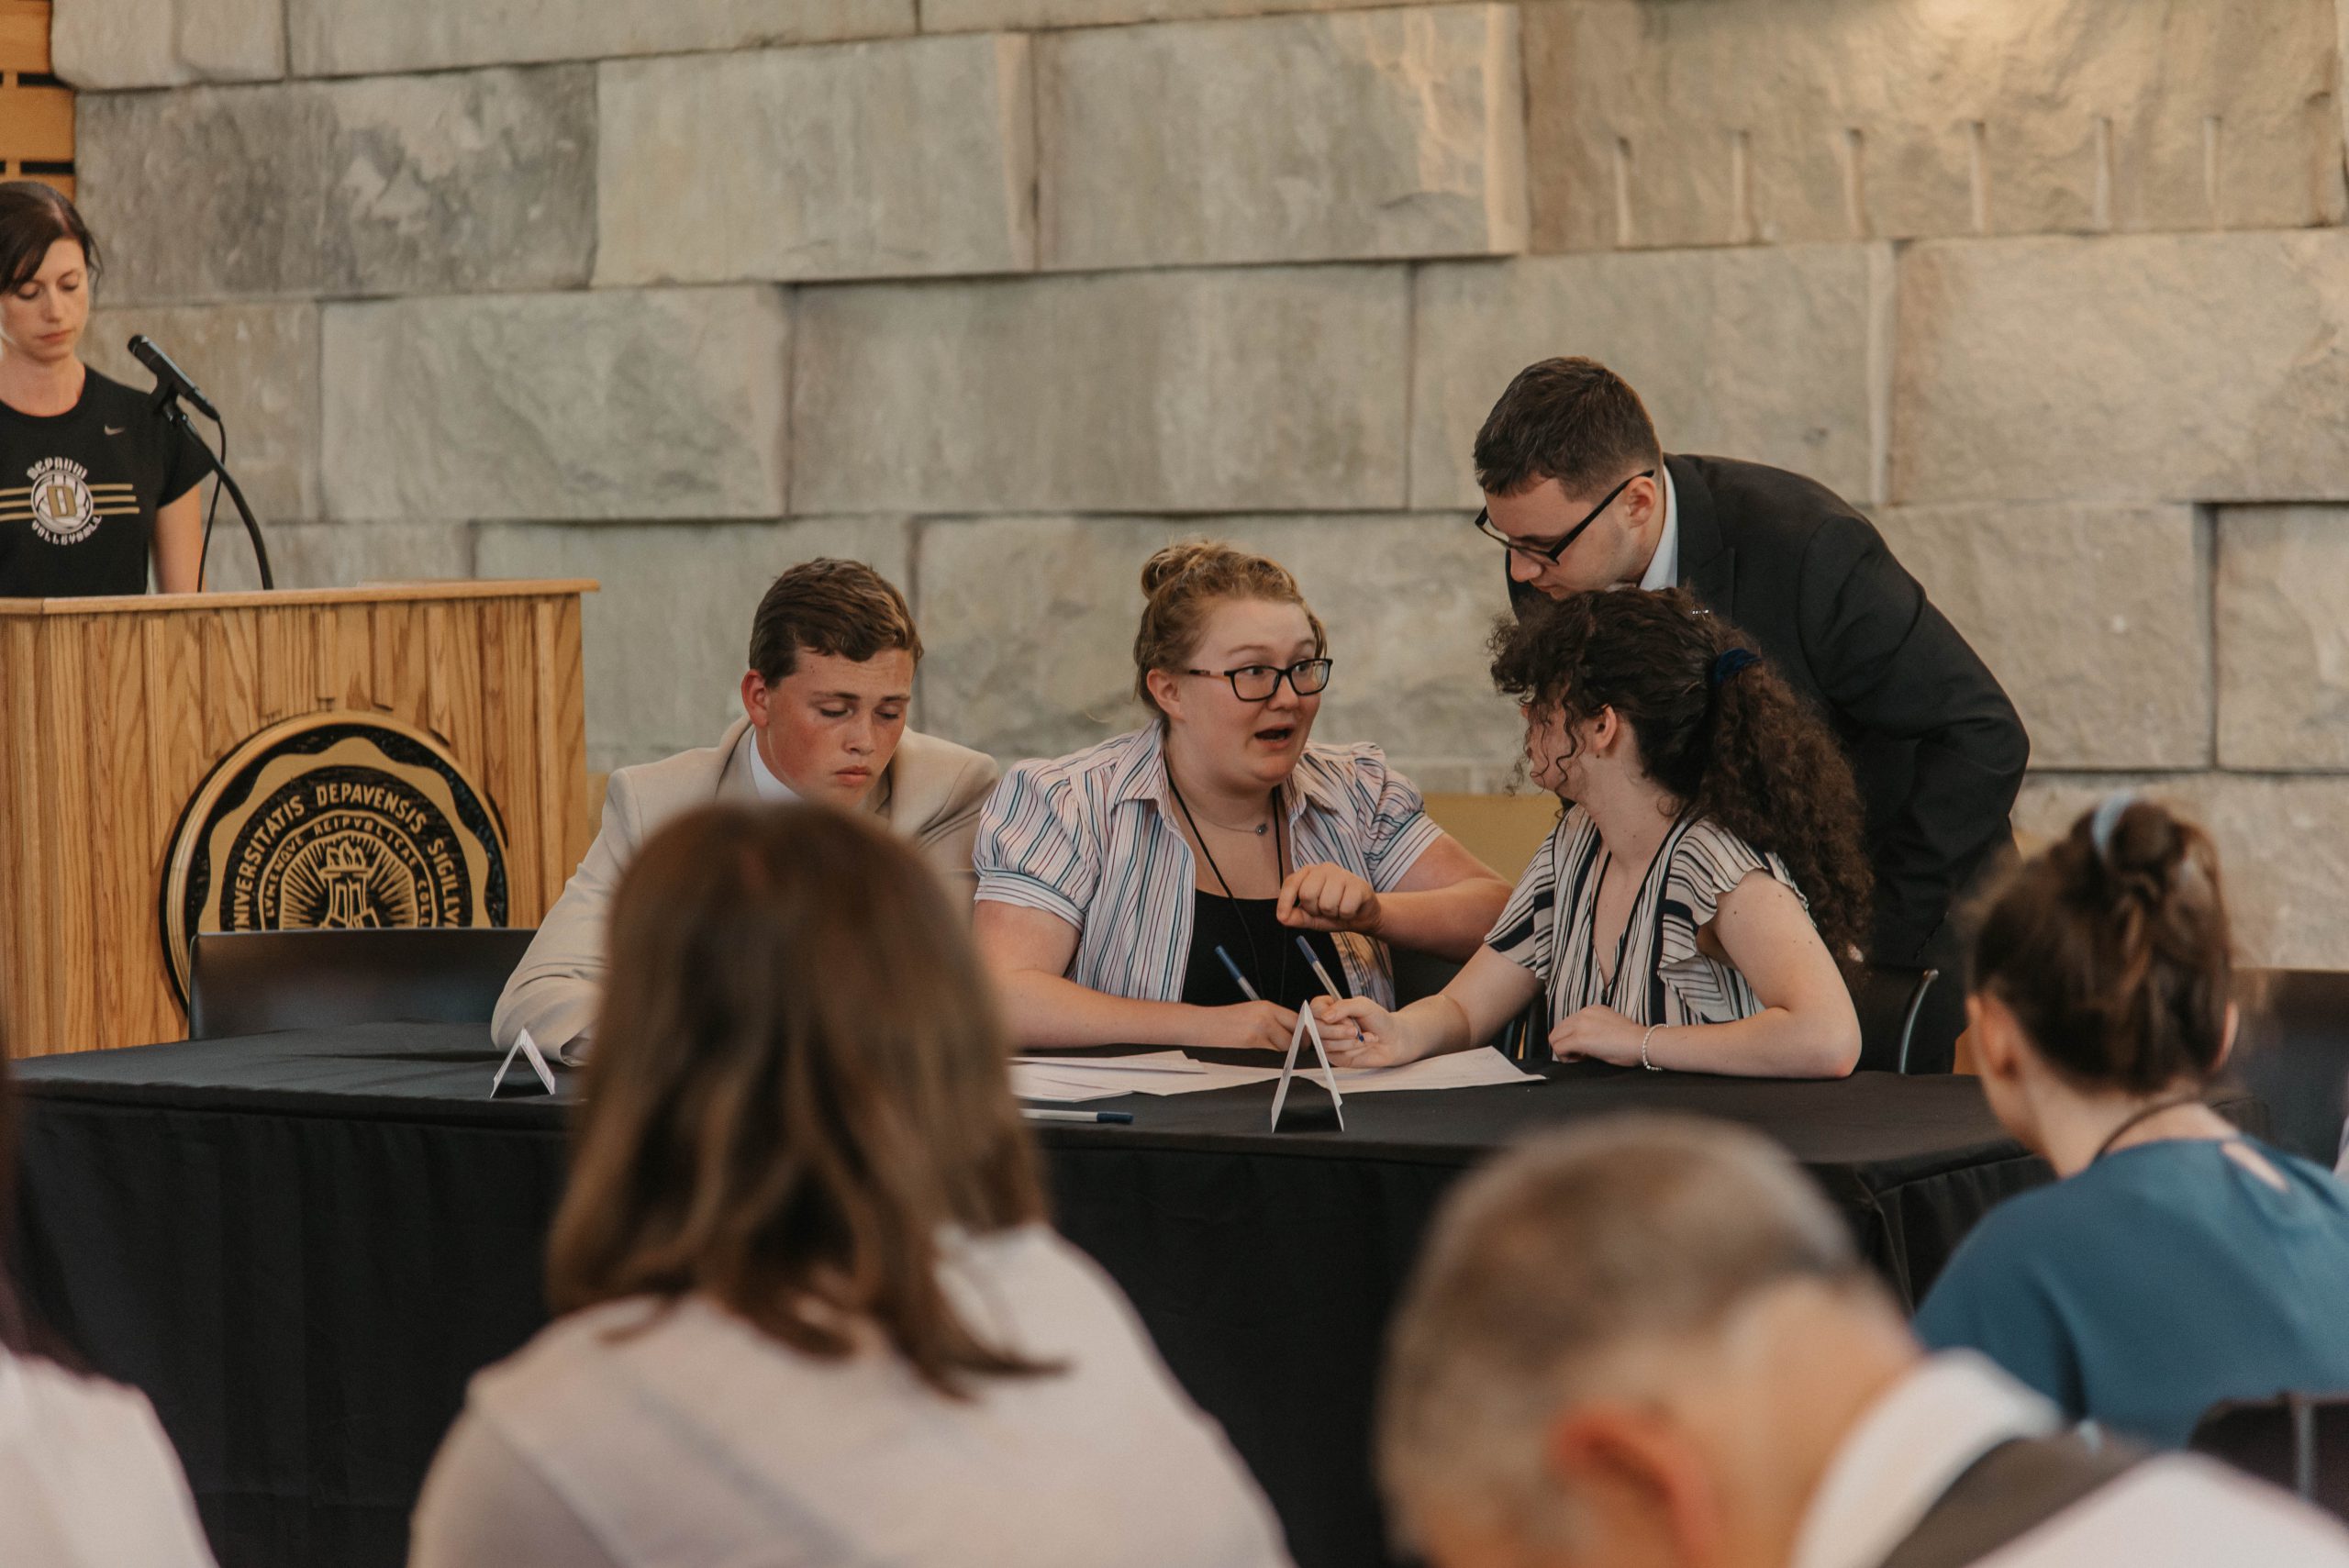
254 981
2298 1442
2293 1053
1888 1000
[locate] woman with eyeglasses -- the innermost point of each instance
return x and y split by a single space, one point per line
1151 890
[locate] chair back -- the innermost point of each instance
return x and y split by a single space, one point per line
255 981
2294 1054
2298 1442
1888 1000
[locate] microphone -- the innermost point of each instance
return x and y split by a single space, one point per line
169 378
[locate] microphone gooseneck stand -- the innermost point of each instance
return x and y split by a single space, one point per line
167 403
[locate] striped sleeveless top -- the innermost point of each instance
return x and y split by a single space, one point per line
1660 974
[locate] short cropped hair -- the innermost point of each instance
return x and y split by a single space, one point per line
840 608
1572 420
1549 1264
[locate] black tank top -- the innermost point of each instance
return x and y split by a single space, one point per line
1264 950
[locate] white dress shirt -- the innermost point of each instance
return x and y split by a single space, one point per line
2172 1511
772 791
1664 566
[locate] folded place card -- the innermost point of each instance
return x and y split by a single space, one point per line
1306 1026
523 1046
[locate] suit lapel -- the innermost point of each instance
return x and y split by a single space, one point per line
736 782
1708 566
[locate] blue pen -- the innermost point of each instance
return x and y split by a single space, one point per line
1237 978
1038 1113
1319 972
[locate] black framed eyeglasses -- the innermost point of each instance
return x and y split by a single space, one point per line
1257 682
1550 552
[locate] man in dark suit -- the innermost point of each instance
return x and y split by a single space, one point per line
1578 488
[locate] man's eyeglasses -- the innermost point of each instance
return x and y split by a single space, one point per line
1550 552
1257 682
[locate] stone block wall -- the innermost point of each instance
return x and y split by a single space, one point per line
999 294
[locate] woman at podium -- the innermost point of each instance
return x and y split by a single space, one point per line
93 483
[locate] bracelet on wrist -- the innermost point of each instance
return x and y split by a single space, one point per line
1643 1049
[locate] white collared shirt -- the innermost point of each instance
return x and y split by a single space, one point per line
2172 1511
772 790
1664 566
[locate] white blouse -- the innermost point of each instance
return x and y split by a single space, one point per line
88 1478
632 1436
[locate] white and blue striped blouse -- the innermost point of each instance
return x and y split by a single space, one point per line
1661 976
1091 838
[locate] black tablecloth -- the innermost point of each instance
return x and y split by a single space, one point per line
301 1245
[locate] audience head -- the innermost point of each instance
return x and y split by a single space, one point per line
48 263
832 654
1634 1343
799 1082
1210 608
2105 958
1650 690
1567 436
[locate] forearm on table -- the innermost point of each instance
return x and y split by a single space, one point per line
1450 922
1052 1010
1777 1042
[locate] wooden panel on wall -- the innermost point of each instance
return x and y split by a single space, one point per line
114 711
36 110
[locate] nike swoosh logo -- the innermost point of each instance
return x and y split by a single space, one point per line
116 429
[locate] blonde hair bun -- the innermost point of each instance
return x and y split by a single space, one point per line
1179 561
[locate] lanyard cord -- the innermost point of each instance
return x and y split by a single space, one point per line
2144 1114
1280 868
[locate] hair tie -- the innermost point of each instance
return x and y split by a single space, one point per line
1726 667
2106 821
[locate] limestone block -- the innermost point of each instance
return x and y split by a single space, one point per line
2283 849
258 363
1268 388
2096 618
867 159
1352 137
106 44
635 404
2283 635
2208 367
352 37
1031 624
1710 122
667 637
339 555
412 184
1772 355
966 16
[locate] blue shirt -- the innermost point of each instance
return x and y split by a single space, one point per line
2164 1278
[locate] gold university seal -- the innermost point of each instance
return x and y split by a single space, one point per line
332 820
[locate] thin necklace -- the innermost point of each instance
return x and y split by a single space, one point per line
1280 871
2143 1114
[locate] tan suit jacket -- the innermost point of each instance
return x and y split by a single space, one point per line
930 793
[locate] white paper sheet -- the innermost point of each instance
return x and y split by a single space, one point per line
1461 1069
1163 1072
1035 1083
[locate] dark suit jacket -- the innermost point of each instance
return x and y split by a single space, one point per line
1935 745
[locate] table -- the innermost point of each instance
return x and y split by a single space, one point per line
301 1245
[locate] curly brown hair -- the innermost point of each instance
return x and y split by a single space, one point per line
1745 752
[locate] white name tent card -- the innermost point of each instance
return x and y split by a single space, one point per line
526 1046
1306 1026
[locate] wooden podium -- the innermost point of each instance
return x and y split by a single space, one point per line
125 721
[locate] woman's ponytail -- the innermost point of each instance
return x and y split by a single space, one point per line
2113 950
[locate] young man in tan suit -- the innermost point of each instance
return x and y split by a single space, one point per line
833 655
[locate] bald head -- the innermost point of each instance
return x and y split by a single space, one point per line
1603 1263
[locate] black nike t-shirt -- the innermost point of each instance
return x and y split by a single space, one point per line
79 491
